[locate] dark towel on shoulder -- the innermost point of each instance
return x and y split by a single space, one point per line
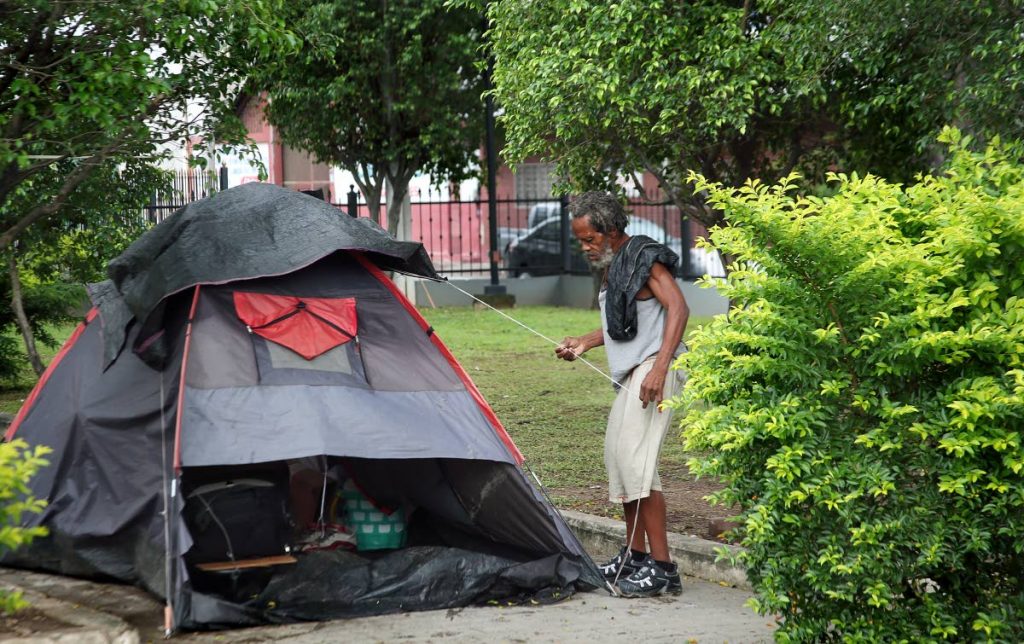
629 271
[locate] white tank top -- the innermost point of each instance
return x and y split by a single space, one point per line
625 355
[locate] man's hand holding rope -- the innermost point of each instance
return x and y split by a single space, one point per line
573 347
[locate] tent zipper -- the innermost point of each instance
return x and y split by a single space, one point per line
287 315
355 339
334 326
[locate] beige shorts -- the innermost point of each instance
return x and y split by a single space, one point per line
633 439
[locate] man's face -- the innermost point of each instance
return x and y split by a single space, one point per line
596 246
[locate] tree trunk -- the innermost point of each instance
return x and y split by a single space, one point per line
398 194
398 177
370 183
22 319
387 84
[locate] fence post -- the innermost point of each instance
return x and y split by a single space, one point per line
494 288
563 215
353 201
223 177
685 242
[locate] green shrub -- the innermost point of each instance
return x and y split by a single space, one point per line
18 464
864 401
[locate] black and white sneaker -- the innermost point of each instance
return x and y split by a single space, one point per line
622 560
651 580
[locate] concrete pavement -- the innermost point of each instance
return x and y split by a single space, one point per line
705 612
709 610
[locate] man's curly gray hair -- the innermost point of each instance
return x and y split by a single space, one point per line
604 209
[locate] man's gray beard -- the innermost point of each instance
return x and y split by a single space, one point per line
607 255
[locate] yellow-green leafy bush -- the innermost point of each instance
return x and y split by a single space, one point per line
18 464
864 400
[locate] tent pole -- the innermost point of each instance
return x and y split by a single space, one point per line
168 482
322 523
168 567
181 381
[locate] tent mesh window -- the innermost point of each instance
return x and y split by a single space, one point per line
336 360
278 365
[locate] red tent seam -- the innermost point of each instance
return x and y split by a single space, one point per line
181 382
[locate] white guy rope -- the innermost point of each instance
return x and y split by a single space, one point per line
536 333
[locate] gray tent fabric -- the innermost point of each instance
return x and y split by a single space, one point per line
249 425
391 409
252 230
115 316
110 437
226 412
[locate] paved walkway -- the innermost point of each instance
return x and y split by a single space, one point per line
705 612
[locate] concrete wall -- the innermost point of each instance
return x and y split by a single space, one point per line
555 290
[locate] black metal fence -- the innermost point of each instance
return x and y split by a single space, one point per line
530 234
184 187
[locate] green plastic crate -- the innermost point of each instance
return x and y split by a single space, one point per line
374 529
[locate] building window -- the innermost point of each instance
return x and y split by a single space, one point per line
534 180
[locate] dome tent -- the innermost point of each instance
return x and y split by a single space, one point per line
247 334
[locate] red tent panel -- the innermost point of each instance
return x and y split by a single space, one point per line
309 326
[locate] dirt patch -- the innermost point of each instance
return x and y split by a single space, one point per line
29 622
686 510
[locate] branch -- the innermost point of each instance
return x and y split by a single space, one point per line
795 150
83 172
742 151
370 184
746 16
12 175
18 304
693 205
638 184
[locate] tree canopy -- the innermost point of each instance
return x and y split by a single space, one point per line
896 72
382 89
736 90
48 263
86 83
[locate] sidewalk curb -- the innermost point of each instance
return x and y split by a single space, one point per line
602 537
87 626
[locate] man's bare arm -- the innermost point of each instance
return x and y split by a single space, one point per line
677 313
574 346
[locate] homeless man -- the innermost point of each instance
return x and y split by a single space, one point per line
643 314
